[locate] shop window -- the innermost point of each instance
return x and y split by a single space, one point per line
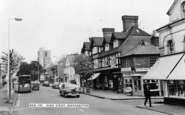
128 83
177 88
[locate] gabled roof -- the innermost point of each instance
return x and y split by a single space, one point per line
107 39
131 42
172 7
98 41
86 47
109 52
143 49
138 32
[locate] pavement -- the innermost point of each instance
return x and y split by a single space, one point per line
157 106
107 94
6 106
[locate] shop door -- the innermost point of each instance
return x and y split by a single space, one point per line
137 87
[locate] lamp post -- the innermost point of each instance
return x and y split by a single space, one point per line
8 70
38 72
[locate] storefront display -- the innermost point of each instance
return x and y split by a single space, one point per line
176 88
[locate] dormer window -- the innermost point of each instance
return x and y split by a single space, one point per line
183 9
170 46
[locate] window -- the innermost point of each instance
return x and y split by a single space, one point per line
46 54
127 63
128 83
176 88
170 46
152 61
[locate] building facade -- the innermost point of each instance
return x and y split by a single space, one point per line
44 57
171 63
69 71
114 50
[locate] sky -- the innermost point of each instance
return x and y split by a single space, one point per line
62 26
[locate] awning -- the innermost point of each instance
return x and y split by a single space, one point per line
94 76
163 67
179 71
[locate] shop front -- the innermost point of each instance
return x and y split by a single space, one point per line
175 84
134 82
108 80
169 73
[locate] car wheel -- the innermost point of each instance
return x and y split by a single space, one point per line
65 95
78 96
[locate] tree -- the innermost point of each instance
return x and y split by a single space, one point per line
35 69
24 69
15 61
83 66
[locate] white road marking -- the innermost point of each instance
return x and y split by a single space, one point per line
18 100
81 110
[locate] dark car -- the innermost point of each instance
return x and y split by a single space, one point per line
46 83
68 89
35 86
55 86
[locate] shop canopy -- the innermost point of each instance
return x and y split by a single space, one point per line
94 76
163 67
179 71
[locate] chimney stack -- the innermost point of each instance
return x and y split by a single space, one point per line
129 21
107 32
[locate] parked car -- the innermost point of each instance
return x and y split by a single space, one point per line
68 89
55 86
35 85
46 83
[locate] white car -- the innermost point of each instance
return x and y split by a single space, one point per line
68 89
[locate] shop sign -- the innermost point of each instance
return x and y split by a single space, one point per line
126 69
142 69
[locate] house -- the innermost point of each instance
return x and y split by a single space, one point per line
110 52
69 71
169 69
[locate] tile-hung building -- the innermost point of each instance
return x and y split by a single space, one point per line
170 66
137 54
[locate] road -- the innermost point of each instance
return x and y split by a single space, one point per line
97 106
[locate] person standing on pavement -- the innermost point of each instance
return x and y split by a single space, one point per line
147 95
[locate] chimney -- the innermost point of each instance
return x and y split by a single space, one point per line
129 21
107 32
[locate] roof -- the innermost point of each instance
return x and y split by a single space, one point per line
119 35
109 52
137 32
172 6
86 47
98 41
132 42
143 49
107 39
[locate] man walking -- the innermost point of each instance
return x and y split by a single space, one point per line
147 95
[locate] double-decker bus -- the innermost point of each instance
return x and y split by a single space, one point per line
23 83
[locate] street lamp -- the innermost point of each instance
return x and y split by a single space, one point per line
38 72
9 77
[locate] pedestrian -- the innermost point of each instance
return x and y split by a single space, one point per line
147 95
